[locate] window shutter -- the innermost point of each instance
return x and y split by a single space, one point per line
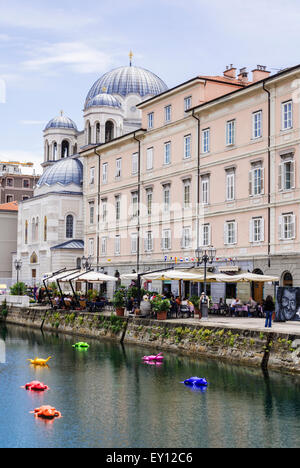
235 232
250 183
251 230
280 177
225 233
262 226
262 180
280 228
293 227
209 235
293 174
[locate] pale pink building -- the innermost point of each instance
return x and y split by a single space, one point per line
214 162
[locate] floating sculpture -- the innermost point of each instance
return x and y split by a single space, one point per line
36 386
196 382
157 358
80 344
39 362
46 412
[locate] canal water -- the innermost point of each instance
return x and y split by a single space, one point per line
109 398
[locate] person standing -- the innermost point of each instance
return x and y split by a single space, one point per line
268 308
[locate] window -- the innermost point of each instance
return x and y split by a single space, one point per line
167 153
166 239
287 115
118 207
26 232
91 247
230 132
256 124
187 103
92 212
205 235
256 180
186 193
287 226
150 120
166 195
186 238
9 198
65 149
230 232
103 245
168 113
287 173
92 175
25 197
206 140
117 245
104 210
118 167
9 182
205 190
134 243
45 228
104 172
98 132
149 242
69 226
149 195
109 131
256 228
26 183
230 185
135 204
187 146
134 164
149 160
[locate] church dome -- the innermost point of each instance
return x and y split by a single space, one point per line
128 80
62 121
103 99
65 172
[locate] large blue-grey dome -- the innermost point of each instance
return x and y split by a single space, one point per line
103 99
62 121
127 80
65 172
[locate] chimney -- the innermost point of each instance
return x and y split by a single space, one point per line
230 71
259 73
243 75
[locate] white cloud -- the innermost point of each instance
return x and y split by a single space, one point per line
24 156
78 56
33 122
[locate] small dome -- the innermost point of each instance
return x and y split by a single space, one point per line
127 80
103 99
62 121
66 171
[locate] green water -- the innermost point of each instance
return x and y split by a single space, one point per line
109 398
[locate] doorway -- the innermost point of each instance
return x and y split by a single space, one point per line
257 288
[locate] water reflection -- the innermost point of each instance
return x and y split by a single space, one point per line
110 398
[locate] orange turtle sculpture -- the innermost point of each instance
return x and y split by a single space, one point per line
46 412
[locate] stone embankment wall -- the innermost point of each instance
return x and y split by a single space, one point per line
260 349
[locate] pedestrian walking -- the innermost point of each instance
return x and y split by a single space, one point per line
268 308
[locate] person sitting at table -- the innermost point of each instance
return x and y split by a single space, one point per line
129 305
251 306
145 306
236 302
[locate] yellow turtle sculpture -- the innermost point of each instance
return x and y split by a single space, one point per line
39 362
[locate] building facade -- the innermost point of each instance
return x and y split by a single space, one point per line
8 242
213 163
15 186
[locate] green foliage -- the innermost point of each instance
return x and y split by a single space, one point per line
18 289
195 300
4 309
160 305
119 299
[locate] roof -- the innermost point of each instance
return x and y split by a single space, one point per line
12 206
65 172
75 244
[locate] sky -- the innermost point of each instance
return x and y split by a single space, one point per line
51 53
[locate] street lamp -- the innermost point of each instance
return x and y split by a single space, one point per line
18 266
205 255
86 262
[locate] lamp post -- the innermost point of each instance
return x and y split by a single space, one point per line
205 255
86 264
18 266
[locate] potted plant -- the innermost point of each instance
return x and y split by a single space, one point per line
119 301
161 306
195 300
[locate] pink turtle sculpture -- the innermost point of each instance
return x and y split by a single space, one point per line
157 358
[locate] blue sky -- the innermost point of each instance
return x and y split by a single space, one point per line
51 53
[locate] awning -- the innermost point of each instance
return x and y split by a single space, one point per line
88 277
247 277
54 277
228 269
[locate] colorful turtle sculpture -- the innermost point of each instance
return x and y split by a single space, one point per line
196 382
36 386
46 412
39 362
158 358
81 345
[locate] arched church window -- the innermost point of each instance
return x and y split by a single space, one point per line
109 131
33 258
45 228
26 232
65 149
287 280
78 263
69 226
97 132
54 155
89 133
36 233
75 149
33 230
47 151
